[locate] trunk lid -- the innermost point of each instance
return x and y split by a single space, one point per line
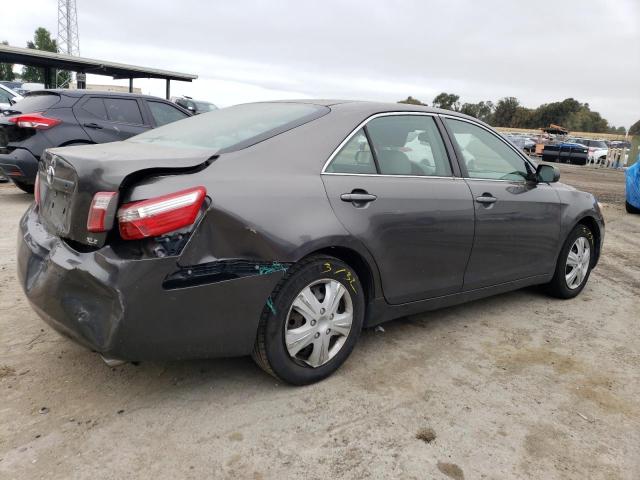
70 176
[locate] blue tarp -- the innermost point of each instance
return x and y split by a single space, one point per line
633 184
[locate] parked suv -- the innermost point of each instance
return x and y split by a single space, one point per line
55 118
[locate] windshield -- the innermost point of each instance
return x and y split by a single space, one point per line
232 128
36 102
205 107
598 144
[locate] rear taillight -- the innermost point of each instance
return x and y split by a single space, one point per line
36 189
160 215
103 207
34 120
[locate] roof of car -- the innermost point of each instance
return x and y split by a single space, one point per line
377 107
81 93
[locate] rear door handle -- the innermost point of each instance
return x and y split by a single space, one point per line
93 125
357 197
486 198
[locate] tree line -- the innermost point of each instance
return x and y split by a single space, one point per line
507 112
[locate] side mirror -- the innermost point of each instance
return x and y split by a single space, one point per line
547 173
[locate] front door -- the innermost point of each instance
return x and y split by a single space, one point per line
517 220
402 201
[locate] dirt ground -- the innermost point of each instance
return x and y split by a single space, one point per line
516 386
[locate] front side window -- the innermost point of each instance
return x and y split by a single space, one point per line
485 155
354 157
123 110
163 113
408 145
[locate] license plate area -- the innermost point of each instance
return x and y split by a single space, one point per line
57 187
55 210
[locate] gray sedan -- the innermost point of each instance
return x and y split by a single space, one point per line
282 229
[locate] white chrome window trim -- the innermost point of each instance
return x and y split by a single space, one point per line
361 125
386 175
512 147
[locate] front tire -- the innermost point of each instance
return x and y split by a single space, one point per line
630 208
311 321
574 264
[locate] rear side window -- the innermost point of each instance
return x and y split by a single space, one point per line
95 106
354 157
123 110
233 128
163 113
36 102
408 145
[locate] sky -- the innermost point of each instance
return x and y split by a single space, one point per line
251 50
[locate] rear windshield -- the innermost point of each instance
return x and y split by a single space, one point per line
598 144
232 128
36 102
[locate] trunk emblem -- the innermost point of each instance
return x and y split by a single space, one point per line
51 171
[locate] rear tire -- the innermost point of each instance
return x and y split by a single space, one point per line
574 264
630 208
305 348
25 187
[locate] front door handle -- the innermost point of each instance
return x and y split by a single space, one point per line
357 197
93 125
486 199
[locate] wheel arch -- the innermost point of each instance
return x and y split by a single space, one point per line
592 224
367 273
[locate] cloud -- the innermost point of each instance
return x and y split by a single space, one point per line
539 52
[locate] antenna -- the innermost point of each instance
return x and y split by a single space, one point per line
67 40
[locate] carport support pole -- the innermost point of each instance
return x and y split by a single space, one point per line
130 84
168 89
47 77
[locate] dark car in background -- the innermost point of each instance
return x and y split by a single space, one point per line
522 142
57 118
281 229
566 152
194 106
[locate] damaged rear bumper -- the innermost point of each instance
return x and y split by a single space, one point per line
120 308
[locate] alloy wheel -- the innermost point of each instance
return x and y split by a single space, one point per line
318 322
578 261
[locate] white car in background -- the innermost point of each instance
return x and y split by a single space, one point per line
598 149
8 97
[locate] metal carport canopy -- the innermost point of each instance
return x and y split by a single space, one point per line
60 61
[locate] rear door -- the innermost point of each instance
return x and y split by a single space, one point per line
391 185
517 221
111 119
